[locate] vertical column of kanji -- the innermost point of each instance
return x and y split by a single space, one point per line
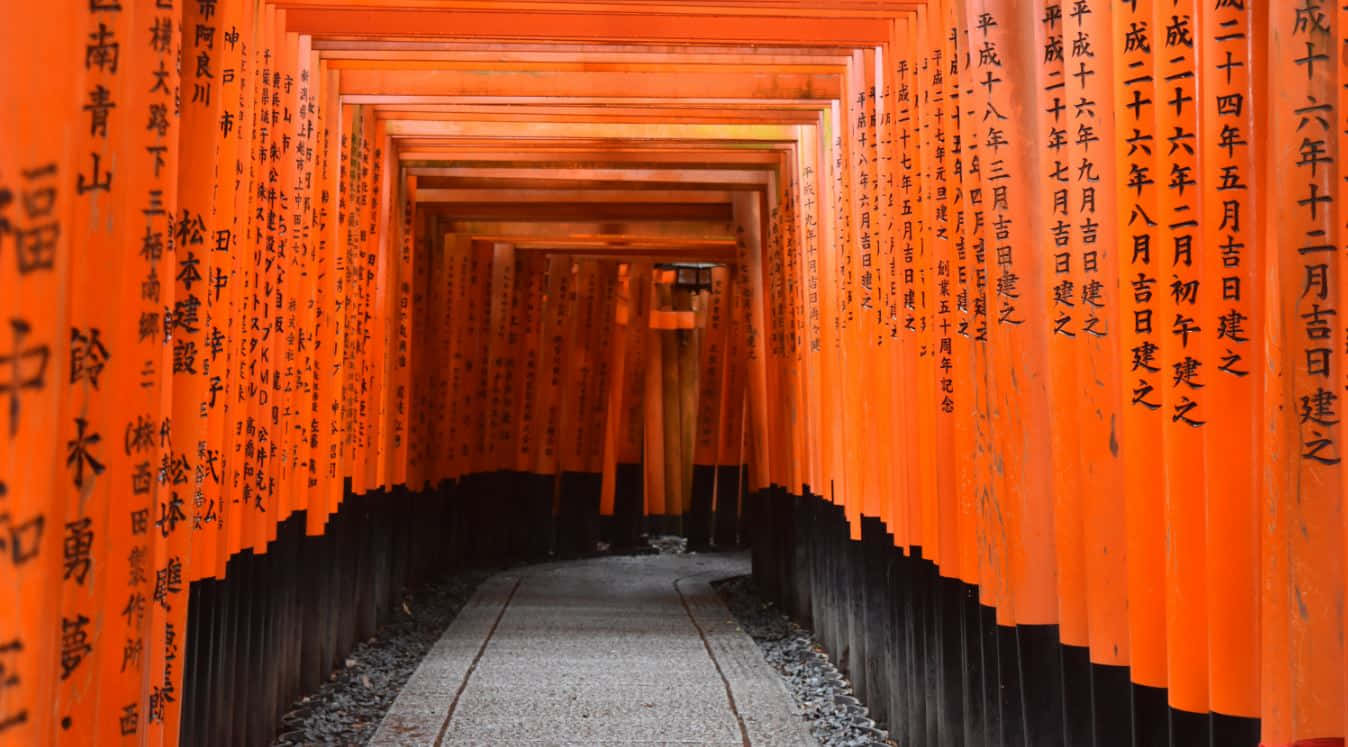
284 299
1061 261
848 479
182 308
905 311
401 345
1341 83
360 275
448 319
885 268
1179 260
255 378
282 270
262 214
1302 645
397 258
1231 346
778 374
606 307
295 282
972 466
1140 418
978 562
881 269
197 317
788 179
227 187
356 286
832 486
785 181
330 298
304 280
950 400
719 324
928 106
402 265
95 349
780 187
429 353
342 139
775 348
438 448
862 187
498 351
517 309
269 254
410 333
438 316
711 377
459 259
37 196
785 381
1087 31
749 256
307 156
423 351
371 348
552 360
236 124
417 404
532 269
499 302
605 377
1024 500
145 179
575 367
809 318
474 353
613 397
476 363
377 354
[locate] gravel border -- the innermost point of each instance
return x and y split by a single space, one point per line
834 715
348 707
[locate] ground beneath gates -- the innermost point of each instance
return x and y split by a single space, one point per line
614 650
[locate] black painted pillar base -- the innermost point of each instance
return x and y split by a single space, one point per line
697 523
578 520
279 622
726 529
540 524
933 663
628 499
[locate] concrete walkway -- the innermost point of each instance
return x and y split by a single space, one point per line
622 650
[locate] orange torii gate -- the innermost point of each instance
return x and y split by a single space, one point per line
1022 355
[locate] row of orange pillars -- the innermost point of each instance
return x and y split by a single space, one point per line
1005 330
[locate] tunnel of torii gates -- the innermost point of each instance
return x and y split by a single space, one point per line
1005 331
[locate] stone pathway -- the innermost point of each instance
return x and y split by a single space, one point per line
618 650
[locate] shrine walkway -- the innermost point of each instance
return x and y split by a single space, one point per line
618 650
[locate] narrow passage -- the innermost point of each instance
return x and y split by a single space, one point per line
618 650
